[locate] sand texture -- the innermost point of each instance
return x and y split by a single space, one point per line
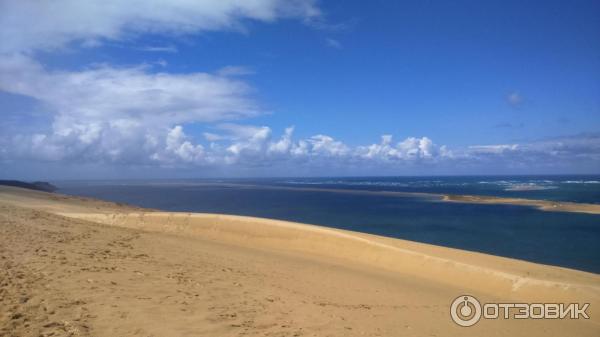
81 267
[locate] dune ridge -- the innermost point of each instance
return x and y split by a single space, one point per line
392 254
445 265
311 277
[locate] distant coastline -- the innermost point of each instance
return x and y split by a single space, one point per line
544 205
215 272
36 185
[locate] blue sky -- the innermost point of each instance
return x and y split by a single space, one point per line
208 89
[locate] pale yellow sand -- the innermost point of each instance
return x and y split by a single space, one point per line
84 267
544 205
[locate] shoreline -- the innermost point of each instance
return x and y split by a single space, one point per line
125 215
82 211
110 269
543 205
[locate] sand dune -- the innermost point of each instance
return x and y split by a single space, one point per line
77 266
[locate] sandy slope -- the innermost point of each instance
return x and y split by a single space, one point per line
76 266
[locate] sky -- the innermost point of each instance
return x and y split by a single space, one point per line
188 89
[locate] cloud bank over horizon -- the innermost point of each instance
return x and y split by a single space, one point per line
140 115
258 149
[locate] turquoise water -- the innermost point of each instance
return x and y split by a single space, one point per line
563 239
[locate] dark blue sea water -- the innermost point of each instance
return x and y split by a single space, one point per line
563 239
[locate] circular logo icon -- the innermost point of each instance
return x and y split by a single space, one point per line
465 310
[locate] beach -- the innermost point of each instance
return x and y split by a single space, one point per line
544 205
79 266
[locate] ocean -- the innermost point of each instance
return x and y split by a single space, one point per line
569 240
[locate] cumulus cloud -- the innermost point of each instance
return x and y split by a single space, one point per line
136 116
178 145
252 143
248 140
409 149
108 112
29 25
245 146
132 114
283 145
325 145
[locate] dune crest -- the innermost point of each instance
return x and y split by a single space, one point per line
88 267
440 264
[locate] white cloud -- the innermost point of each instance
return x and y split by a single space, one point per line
244 146
248 140
108 114
136 116
283 145
131 114
409 149
325 145
28 25
234 131
178 145
106 93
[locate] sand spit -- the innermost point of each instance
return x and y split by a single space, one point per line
544 205
76 266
